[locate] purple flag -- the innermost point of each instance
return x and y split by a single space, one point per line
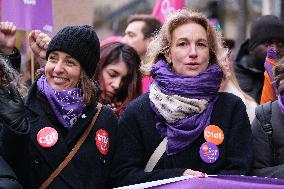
226 182
29 14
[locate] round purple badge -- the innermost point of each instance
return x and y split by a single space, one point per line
209 152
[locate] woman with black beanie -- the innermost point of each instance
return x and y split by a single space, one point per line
60 136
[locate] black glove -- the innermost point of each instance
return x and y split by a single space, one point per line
12 109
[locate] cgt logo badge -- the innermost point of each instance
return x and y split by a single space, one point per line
47 137
102 141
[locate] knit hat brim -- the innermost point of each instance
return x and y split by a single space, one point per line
80 42
265 28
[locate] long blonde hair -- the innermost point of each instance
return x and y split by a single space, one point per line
162 41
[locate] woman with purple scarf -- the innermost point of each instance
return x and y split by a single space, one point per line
60 136
183 126
267 129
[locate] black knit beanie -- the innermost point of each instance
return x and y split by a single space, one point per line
265 28
80 42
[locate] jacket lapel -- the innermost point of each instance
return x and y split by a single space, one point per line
58 152
81 124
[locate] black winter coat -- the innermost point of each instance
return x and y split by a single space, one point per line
138 138
8 179
265 164
32 163
249 72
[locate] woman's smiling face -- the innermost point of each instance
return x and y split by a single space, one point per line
62 71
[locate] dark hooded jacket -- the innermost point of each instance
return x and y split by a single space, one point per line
249 71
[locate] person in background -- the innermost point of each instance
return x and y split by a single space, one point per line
8 179
7 44
268 135
138 34
109 39
117 72
275 51
39 42
60 116
249 65
9 75
140 31
168 132
118 75
230 83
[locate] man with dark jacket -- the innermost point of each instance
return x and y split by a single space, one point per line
249 66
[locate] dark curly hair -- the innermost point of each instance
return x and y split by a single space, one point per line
279 75
8 74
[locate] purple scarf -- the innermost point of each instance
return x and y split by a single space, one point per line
271 58
203 86
66 104
280 98
280 102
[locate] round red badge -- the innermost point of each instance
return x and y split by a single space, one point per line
214 134
102 141
47 137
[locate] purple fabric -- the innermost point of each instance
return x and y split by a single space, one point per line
29 15
203 86
226 182
66 104
280 102
272 56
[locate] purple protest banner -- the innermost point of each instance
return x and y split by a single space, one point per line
29 14
226 182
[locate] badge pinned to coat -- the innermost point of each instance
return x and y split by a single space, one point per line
47 137
102 141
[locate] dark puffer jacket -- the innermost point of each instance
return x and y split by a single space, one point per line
249 72
269 153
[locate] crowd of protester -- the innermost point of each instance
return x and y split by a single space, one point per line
164 100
